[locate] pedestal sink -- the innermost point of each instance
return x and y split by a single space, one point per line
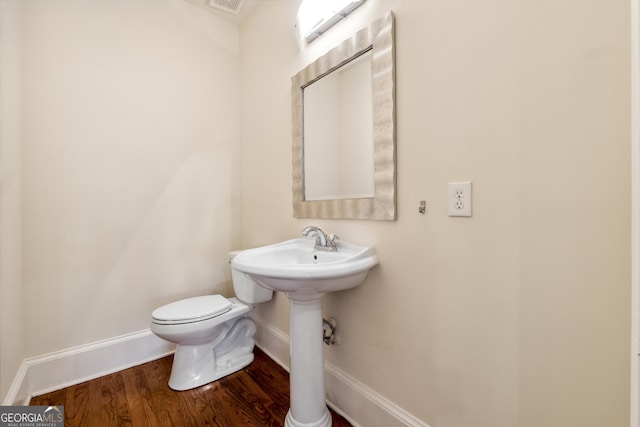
305 273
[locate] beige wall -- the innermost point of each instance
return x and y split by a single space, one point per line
131 131
11 290
519 315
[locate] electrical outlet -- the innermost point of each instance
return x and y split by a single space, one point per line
459 200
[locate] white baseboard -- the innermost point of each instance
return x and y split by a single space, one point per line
357 403
53 371
12 397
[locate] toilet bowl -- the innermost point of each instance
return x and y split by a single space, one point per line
214 334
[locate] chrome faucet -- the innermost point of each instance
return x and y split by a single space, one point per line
323 243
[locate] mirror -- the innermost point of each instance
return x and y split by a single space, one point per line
338 133
344 129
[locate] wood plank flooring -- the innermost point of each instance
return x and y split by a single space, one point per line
256 396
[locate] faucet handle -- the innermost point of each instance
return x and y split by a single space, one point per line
333 237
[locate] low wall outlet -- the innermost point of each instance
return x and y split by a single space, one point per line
459 200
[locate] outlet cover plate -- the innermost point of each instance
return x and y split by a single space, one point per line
459 200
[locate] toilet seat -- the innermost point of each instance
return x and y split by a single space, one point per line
191 310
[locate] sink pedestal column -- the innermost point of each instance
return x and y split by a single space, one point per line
308 403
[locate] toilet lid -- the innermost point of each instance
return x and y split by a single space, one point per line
193 309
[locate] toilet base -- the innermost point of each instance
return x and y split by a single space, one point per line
180 383
230 351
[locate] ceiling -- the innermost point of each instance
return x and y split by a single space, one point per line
235 11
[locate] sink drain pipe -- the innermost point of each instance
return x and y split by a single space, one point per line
329 331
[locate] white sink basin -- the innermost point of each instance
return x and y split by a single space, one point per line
305 274
296 266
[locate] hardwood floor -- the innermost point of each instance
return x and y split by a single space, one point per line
140 397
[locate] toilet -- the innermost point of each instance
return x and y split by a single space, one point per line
214 334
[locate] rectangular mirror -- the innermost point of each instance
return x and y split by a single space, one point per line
344 131
338 133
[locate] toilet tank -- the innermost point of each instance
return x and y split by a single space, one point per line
246 289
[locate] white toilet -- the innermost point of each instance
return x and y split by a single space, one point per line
214 335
